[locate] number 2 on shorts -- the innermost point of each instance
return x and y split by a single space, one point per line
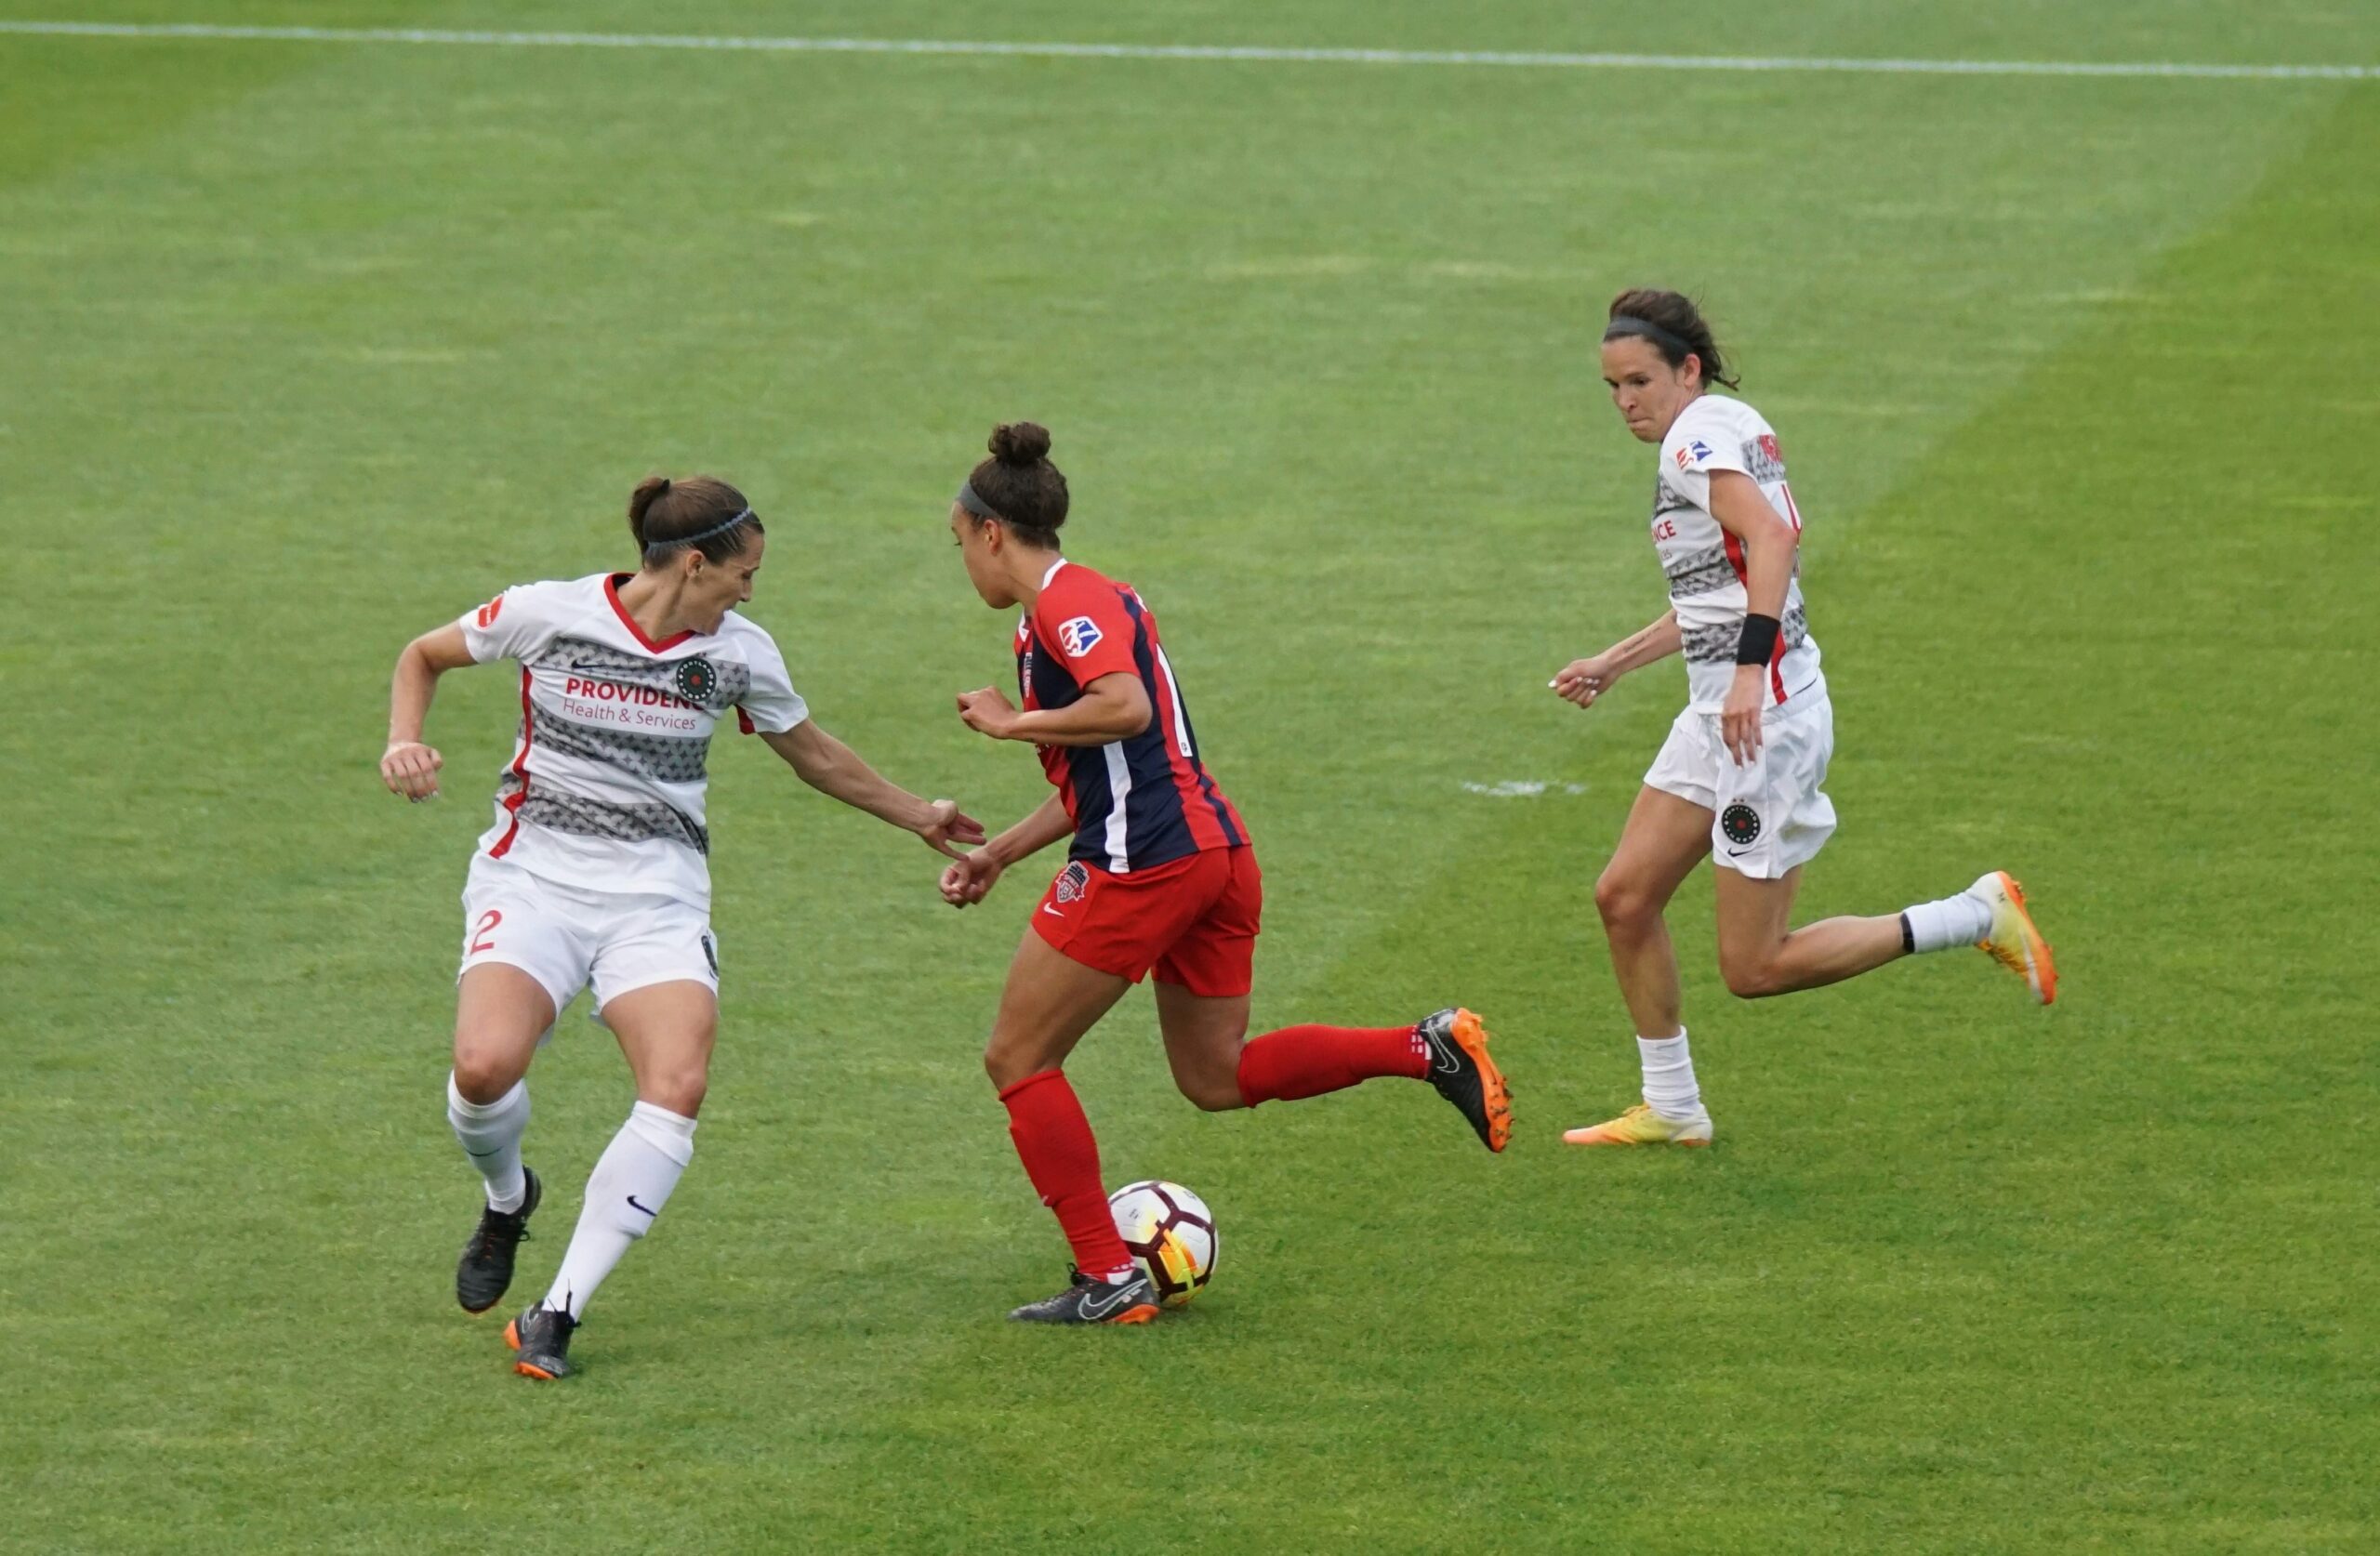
482 931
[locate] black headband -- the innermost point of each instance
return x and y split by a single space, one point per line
973 504
701 536
1623 325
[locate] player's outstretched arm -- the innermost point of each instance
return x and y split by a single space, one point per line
1582 680
833 768
966 881
408 767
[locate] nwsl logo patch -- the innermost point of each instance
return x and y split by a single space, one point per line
1079 637
1073 882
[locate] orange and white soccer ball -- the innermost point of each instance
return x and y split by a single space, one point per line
1172 1235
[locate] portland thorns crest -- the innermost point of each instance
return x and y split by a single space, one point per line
696 679
1740 823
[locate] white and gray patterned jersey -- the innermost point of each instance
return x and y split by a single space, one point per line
1705 564
604 790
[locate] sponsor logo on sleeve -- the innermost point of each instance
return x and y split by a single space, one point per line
1079 636
488 612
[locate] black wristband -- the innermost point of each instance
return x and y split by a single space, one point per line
1759 641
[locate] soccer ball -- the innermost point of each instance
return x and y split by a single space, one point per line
1172 1235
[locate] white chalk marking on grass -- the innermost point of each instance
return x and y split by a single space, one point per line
1521 788
2174 68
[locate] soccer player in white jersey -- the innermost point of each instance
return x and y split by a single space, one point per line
595 871
1738 781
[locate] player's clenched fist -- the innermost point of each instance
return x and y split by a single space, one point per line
1582 680
987 711
409 768
969 879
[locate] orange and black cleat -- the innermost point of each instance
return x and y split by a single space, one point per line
542 1336
1089 1299
1464 1075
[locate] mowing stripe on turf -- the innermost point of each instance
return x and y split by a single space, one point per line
1195 51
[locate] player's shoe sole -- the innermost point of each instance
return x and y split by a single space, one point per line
484 1272
540 1339
2015 942
1641 1125
1465 1073
1087 1300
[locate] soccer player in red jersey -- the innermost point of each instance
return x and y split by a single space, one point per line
1160 876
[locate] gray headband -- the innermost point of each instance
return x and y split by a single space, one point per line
700 535
973 504
1624 326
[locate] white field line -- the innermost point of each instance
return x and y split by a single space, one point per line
1191 51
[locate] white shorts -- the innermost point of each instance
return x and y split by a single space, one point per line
567 937
1766 818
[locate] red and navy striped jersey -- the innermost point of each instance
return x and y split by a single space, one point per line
1134 802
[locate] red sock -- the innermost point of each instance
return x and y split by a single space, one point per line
1308 1060
1054 1141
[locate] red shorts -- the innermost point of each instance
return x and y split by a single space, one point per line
1195 920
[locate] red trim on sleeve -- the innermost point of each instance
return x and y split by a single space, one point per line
744 720
520 771
611 593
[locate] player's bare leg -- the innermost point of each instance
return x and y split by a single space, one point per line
500 1012
666 1031
1049 1002
1665 838
1761 955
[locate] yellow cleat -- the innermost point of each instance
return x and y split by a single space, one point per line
2013 943
1641 1125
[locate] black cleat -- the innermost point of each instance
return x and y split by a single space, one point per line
542 1338
1464 1075
1090 1300
485 1270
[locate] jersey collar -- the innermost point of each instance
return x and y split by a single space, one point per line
611 592
1052 573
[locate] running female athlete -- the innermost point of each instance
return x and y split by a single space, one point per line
1737 780
1160 876
596 868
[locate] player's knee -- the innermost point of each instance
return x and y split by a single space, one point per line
1007 1064
1623 902
1212 1091
1750 977
679 1087
482 1073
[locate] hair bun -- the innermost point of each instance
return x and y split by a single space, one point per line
1020 442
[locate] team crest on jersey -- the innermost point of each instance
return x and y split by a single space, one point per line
1079 636
1741 824
697 679
1073 882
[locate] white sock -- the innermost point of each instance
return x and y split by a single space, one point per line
489 1133
1669 1079
1960 921
630 1184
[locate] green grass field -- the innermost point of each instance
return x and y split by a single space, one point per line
309 346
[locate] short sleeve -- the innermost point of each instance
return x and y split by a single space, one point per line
1087 627
1696 446
770 706
512 625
